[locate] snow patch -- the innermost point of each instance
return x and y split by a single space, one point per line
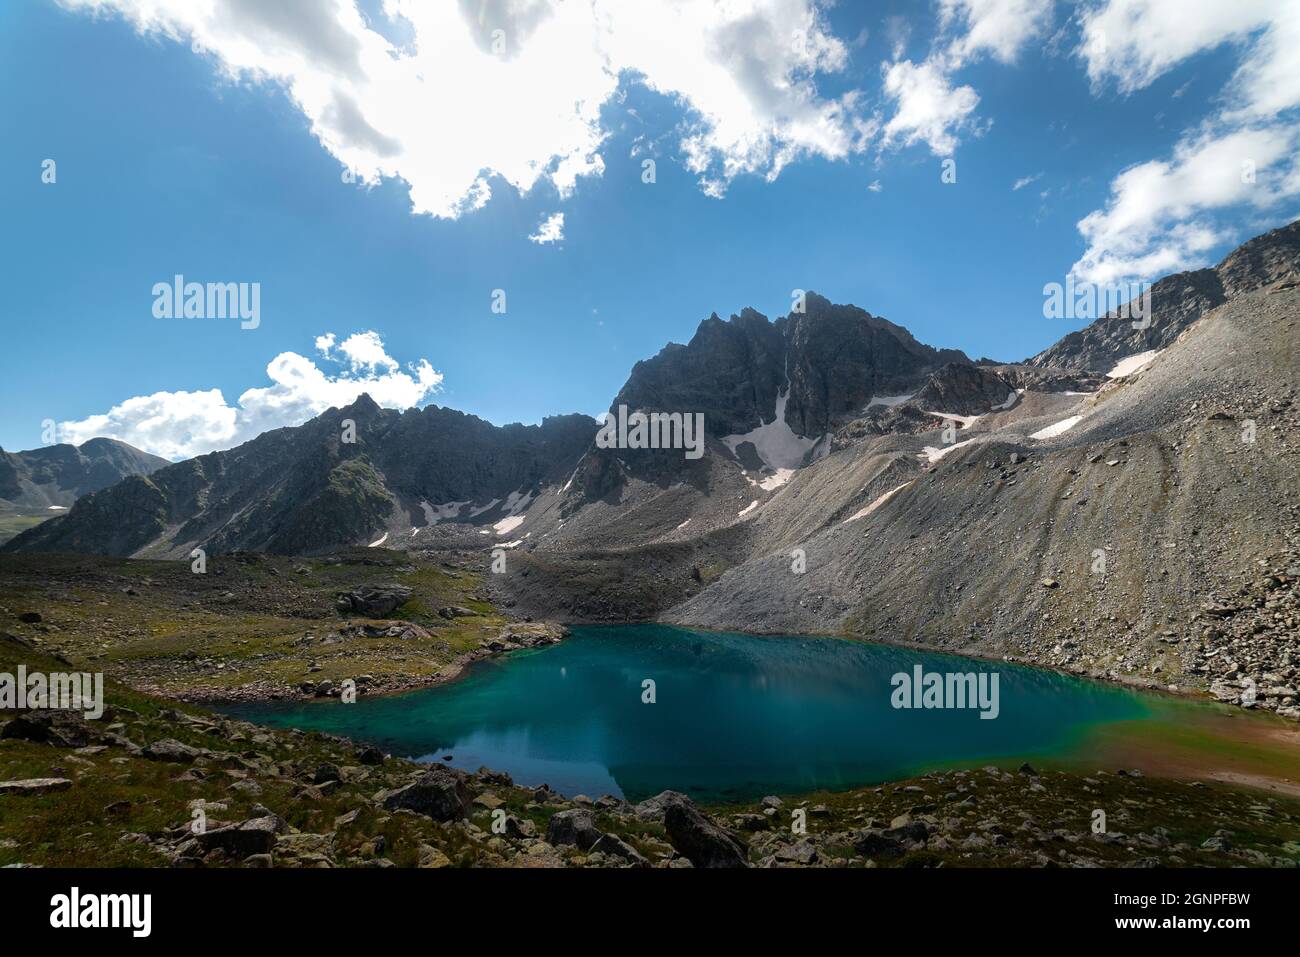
517 502
1065 425
508 525
932 455
1131 364
966 420
58 508
877 503
887 400
776 481
777 444
747 509
1008 402
683 525
379 541
476 512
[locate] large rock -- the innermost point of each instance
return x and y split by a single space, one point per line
439 793
615 846
652 809
575 827
694 836
255 836
34 786
373 601
62 729
169 749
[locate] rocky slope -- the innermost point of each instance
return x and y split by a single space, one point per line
60 474
41 483
340 479
1178 301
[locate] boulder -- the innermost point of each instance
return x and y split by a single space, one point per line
576 827
652 809
455 611
615 846
34 786
255 836
702 842
169 749
439 793
62 729
373 601
431 857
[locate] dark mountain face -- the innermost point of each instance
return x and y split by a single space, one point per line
298 490
60 474
1176 302
730 371
964 390
841 356
832 358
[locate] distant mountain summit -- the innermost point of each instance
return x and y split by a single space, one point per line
830 407
1177 301
330 481
827 361
57 475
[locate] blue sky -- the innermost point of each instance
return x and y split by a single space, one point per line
165 165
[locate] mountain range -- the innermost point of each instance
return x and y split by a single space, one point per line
1073 507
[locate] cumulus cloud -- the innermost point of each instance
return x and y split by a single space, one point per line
551 230
1159 216
929 108
514 88
999 28
1168 214
179 425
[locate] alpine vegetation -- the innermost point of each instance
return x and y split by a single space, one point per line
949 690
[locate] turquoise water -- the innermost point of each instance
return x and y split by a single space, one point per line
735 717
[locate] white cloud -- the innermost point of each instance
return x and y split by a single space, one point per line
1135 41
1025 181
183 424
1168 214
1159 216
929 109
551 230
875 186
514 88
929 106
1000 28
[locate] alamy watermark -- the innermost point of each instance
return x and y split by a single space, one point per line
1125 300
654 430
179 299
57 691
952 689
74 909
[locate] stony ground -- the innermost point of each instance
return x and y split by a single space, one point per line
157 784
158 781
256 626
